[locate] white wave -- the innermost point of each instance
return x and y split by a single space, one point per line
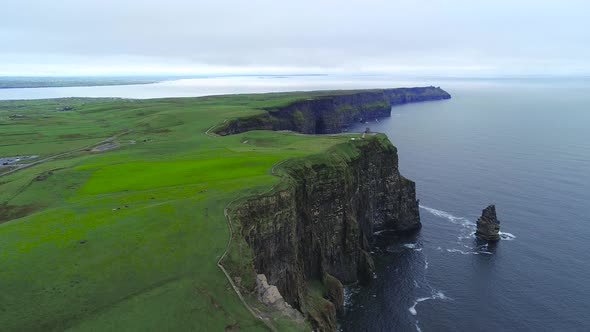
416 284
349 293
507 236
418 327
448 216
463 252
413 310
425 264
435 296
417 249
440 295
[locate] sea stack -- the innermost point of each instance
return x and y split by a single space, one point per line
488 226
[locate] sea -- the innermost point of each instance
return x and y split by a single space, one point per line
522 144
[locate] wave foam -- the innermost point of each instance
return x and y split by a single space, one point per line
349 293
435 296
418 327
443 214
507 236
463 252
440 295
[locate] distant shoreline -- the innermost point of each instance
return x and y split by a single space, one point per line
71 83
23 82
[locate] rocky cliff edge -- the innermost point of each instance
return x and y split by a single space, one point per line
316 228
333 112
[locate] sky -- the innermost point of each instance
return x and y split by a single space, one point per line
203 37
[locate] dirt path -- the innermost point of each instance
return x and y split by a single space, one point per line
208 131
105 147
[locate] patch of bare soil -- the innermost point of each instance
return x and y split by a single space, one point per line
233 327
10 212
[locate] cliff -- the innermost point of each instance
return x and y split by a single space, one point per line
316 227
331 113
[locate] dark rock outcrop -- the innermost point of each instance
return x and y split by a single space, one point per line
318 225
327 114
488 225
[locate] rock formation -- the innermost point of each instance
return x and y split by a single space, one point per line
318 226
270 295
488 225
327 114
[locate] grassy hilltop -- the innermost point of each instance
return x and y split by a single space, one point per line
129 238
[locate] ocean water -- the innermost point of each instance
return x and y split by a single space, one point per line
524 146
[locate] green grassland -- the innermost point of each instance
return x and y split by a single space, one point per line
128 239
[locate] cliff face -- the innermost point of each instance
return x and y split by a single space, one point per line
318 226
332 113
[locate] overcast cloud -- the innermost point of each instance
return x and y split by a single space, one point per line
452 37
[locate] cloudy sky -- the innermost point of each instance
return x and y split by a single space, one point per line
414 37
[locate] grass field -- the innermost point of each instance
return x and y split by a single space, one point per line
128 239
